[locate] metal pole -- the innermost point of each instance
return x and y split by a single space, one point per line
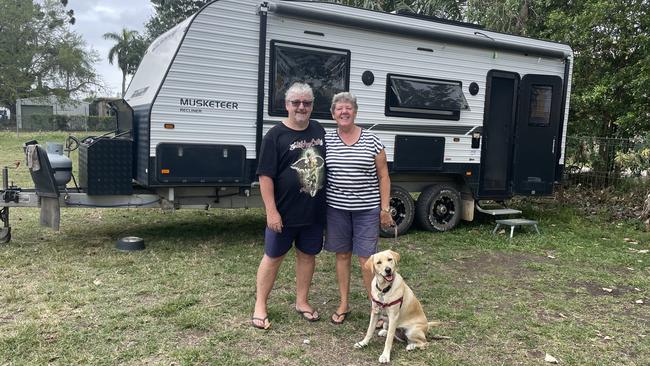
5 178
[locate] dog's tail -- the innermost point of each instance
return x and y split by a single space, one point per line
434 324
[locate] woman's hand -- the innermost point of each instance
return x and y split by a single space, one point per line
386 219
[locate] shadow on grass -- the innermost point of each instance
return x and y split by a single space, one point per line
227 229
183 229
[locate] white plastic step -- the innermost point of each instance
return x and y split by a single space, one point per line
498 211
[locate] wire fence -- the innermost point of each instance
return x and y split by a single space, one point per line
49 122
607 162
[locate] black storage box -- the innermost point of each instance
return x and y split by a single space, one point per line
105 166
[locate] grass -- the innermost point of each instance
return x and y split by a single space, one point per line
70 297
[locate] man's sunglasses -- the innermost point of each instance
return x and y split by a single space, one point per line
306 103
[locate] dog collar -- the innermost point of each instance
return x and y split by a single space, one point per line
386 305
385 290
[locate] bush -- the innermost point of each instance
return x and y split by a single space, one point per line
97 123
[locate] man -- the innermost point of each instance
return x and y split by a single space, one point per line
291 171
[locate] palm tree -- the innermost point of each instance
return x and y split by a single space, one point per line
124 44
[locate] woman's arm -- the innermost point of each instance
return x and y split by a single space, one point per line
384 189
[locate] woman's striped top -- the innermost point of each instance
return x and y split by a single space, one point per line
352 181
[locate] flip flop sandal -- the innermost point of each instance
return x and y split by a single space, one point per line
341 316
380 324
314 316
265 321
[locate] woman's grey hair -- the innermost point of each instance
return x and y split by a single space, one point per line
344 97
299 88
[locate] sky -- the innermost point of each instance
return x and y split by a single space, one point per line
94 18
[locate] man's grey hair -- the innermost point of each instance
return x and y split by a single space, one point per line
344 97
298 88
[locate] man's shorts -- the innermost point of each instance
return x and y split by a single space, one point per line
309 239
352 231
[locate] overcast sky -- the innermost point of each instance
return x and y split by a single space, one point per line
94 18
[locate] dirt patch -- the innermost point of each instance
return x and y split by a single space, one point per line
595 289
497 264
192 337
320 344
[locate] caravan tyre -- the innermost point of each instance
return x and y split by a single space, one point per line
402 209
438 208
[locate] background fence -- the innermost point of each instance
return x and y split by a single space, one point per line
605 162
53 122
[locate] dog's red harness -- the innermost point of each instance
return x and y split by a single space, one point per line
386 305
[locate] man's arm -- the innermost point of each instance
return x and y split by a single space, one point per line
273 218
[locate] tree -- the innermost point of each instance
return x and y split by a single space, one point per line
74 70
39 55
445 9
169 13
508 16
127 51
611 74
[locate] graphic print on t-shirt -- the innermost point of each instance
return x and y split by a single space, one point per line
310 167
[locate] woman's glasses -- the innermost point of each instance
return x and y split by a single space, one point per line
306 103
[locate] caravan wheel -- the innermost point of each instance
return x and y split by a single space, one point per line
402 209
438 208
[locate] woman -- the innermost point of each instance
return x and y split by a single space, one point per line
358 195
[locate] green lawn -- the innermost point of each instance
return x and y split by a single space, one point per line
70 297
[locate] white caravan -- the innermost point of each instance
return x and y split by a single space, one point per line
465 114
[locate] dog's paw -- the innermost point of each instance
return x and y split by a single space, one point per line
360 344
382 333
384 358
411 347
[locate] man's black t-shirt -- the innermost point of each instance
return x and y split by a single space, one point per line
296 162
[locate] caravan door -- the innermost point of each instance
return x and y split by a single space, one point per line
537 134
498 134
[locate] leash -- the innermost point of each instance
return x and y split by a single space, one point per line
395 243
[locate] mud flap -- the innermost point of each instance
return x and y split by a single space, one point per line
50 213
5 230
43 177
5 235
467 201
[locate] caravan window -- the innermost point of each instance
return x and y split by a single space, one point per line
408 96
540 105
327 70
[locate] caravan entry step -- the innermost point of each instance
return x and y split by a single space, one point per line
513 223
498 211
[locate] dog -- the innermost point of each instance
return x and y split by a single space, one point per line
392 296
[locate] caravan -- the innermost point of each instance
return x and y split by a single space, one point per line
465 114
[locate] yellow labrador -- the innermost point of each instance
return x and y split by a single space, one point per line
391 295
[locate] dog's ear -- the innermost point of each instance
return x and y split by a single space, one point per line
395 256
370 264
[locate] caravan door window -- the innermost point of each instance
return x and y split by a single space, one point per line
409 96
327 70
540 105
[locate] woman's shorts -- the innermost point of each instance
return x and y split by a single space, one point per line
352 231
